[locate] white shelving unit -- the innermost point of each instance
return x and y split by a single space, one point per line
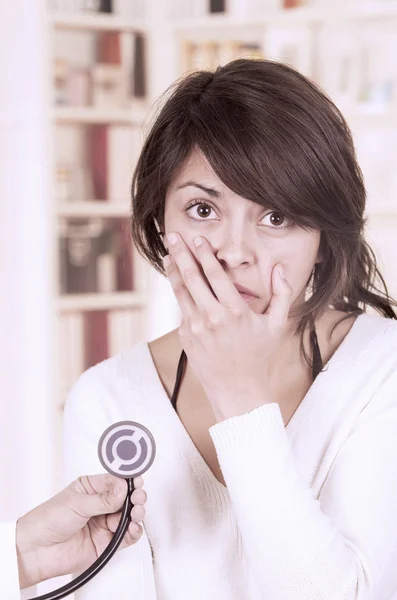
30 329
337 12
92 208
95 22
165 38
73 305
82 302
88 115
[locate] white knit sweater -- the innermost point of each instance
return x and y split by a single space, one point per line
310 510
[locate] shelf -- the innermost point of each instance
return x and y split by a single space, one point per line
96 22
356 11
81 115
101 301
94 208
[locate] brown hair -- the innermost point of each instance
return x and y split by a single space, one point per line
273 137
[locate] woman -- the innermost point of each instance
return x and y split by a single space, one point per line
275 411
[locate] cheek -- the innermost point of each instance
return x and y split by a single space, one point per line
298 258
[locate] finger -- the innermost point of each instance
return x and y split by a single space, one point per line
132 536
138 497
99 483
191 277
182 294
281 300
138 514
138 482
222 286
133 533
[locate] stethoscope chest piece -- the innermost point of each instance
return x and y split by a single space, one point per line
126 449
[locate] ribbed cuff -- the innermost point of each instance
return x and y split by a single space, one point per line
266 420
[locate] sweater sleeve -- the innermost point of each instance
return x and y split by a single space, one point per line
9 580
89 410
342 545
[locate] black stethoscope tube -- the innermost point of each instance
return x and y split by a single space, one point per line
102 560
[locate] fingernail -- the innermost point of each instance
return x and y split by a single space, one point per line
172 239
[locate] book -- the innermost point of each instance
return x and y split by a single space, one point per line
97 149
96 342
78 253
210 54
139 75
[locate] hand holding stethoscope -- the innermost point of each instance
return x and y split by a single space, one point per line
66 533
126 450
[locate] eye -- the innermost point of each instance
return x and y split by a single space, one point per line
277 220
203 211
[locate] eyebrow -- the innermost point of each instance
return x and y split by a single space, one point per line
210 191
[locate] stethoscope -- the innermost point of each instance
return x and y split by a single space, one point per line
126 449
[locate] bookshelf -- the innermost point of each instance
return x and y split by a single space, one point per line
179 39
100 94
308 29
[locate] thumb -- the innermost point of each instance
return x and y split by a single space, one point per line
100 494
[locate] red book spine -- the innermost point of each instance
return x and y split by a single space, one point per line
97 151
96 337
108 49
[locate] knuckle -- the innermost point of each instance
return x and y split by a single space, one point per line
236 311
215 321
196 325
107 498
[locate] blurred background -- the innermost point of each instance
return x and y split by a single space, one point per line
78 82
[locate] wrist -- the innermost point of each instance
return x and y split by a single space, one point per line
26 557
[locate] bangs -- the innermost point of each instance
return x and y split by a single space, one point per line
268 163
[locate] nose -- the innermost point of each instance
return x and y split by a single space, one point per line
234 251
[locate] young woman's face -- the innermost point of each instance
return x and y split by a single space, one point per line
247 239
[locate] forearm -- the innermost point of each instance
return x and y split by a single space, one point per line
293 548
